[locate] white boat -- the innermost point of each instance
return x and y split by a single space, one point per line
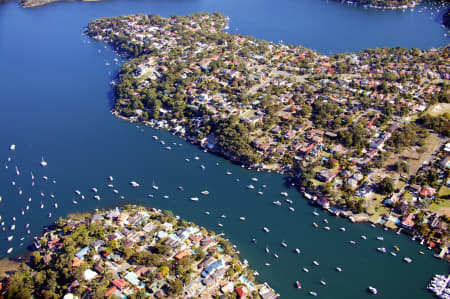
326 228
166 196
205 192
264 186
45 178
187 160
363 237
306 270
323 282
196 158
10 238
9 250
297 250
289 201
251 186
380 238
74 202
267 249
284 244
111 178
275 255
110 186
267 264
13 227
352 242
223 216
313 293
292 209
13 183
220 224
256 273
17 171
277 203
52 195
407 259
381 249
116 191
316 263
342 229
339 269
242 218
284 194
42 205
260 193
194 198
154 186
49 215
315 213
393 253
202 167
325 220
78 192
254 179
43 163
207 213
95 190
134 184
229 173
97 197
373 290
12 147
55 205
266 229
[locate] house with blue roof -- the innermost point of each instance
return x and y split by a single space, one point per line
80 254
212 267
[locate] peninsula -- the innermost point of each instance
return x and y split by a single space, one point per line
363 134
135 252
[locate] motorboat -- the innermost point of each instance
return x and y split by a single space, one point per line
266 229
316 263
352 242
134 184
323 282
97 197
284 194
220 224
363 237
43 163
251 186
326 228
95 190
342 229
381 249
297 283
289 201
223 216
408 260
314 294
275 255
205 192
339 269
194 198
379 238
207 213
284 244
315 224
315 213
12 147
111 178
267 249
277 203
297 250
373 290
254 179
242 218
292 209
306 270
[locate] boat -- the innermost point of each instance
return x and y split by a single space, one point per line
380 238
297 283
78 192
323 282
55 205
325 221
180 188
205 192
13 227
314 294
393 253
289 201
95 190
74 202
381 249
326 228
10 238
339 269
166 196
228 173
267 264
292 209
284 244
284 194
266 229
277 203
45 178
194 198
316 263
12 147
342 229
251 186
297 250
254 240
220 224
134 184
421 252
116 191
275 255
315 213
267 249
97 197
9 250
110 186
396 248
306 270
111 178
43 163
154 186
242 218
254 179
352 242
49 215
363 237
17 171
408 260
373 290
42 205
202 167
207 213
223 216
256 273
196 158
315 224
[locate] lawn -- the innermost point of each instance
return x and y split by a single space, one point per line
438 109
444 192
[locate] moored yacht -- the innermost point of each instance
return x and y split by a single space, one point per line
205 192
266 229
277 203
297 250
297 283
194 198
43 163
284 194
373 290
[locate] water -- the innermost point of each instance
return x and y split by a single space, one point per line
55 101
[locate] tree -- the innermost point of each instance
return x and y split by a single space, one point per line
386 186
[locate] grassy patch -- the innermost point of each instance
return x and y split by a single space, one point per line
7 265
444 192
438 109
442 207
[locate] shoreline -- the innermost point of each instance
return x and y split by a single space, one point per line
311 196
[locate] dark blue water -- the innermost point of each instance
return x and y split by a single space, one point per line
56 98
